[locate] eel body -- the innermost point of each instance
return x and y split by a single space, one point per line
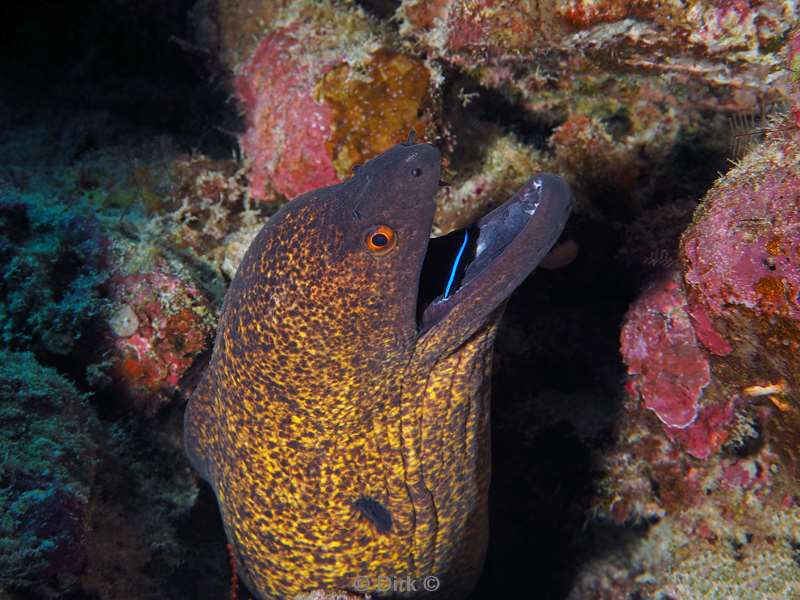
343 420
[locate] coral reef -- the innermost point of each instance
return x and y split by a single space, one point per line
95 497
159 323
669 370
626 85
740 259
704 52
208 211
167 275
711 351
152 533
606 90
84 264
142 150
725 326
505 165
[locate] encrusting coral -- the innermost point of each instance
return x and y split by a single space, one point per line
323 90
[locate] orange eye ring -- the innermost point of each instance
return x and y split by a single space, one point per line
380 240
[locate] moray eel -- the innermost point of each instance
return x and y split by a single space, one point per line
343 420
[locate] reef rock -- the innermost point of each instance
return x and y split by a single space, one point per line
322 91
724 330
625 85
159 323
45 476
669 369
706 443
56 263
558 55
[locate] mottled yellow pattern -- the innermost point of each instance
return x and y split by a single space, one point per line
321 391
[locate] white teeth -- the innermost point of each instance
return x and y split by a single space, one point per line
530 208
530 205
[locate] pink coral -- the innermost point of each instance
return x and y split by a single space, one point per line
660 348
670 370
286 127
160 325
744 249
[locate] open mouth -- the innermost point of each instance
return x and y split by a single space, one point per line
442 275
530 222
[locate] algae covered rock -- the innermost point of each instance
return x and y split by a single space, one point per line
46 433
559 54
724 330
54 257
159 325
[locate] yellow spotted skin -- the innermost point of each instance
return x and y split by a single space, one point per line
322 391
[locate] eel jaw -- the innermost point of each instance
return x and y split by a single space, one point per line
501 250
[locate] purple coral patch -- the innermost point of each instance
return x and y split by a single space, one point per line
659 345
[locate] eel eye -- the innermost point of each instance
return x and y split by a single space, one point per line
416 172
380 240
